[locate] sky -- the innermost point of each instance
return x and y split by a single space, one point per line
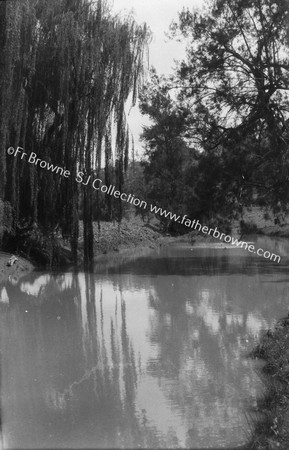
158 14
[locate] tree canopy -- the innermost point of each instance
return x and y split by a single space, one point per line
68 68
232 94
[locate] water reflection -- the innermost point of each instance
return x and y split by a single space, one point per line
134 358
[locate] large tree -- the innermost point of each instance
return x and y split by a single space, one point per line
165 148
68 69
234 85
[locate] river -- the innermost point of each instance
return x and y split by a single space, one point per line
148 353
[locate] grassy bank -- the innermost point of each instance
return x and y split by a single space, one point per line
271 431
109 237
112 237
54 251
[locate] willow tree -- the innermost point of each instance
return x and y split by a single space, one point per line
17 22
70 66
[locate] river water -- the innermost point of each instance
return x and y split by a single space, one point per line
148 353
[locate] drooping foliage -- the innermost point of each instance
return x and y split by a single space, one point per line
68 67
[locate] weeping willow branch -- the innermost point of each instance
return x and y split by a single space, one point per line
69 68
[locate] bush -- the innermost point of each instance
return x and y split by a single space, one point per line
248 227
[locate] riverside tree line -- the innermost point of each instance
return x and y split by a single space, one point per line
68 68
219 135
218 139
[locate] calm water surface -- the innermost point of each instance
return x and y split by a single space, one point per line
150 353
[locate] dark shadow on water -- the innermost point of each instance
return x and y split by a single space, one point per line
196 265
282 280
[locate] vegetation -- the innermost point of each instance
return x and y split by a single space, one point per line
271 431
218 139
67 70
228 102
219 134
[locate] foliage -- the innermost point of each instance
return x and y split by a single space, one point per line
69 67
166 150
228 103
270 426
234 85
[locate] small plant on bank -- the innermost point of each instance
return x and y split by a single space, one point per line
271 427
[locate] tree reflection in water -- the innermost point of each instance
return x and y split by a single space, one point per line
131 360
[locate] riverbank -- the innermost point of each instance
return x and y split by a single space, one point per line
271 430
262 220
112 239
55 251
130 234
117 245
13 273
